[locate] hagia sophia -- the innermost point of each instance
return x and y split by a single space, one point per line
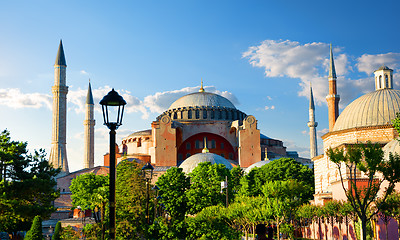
204 126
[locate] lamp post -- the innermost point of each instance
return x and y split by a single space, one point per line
112 101
147 171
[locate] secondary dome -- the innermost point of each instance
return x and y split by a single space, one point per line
202 99
257 164
373 109
193 161
391 147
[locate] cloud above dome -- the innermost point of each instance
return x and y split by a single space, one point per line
156 103
310 63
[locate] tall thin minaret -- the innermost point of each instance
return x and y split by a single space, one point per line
88 161
312 124
333 98
58 154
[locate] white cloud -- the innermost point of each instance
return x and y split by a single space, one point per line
83 72
322 132
310 63
160 101
269 108
14 98
76 98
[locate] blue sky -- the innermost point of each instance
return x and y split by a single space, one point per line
260 54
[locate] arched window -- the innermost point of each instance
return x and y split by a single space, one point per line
190 114
188 146
213 144
386 81
198 144
212 114
197 114
380 82
222 145
175 115
204 114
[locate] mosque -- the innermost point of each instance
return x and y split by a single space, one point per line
204 126
198 127
367 118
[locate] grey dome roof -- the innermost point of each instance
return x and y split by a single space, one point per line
193 161
391 147
257 164
202 99
372 109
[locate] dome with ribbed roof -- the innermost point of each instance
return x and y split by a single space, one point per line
202 99
372 109
391 147
203 106
193 161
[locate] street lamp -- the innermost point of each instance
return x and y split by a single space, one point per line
147 171
109 102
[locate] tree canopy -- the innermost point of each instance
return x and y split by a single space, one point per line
278 170
205 188
27 185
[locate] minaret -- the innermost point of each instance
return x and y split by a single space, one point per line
58 154
312 124
333 98
88 161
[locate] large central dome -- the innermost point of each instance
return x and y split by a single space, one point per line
373 109
202 99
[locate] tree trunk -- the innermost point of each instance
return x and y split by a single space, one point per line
364 227
386 228
278 231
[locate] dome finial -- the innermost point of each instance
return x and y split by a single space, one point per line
201 87
205 149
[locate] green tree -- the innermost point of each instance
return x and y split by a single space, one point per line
211 223
35 233
236 175
365 160
278 170
173 185
27 185
90 191
205 188
284 197
69 233
57 232
130 201
306 213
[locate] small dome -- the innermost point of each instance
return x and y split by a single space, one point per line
372 109
202 99
391 147
257 164
383 67
193 161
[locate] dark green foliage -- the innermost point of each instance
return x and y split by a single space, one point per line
68 233
27 185
278 170
35 233
57 232
131 201
210 223
173 185
236 175
205 189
